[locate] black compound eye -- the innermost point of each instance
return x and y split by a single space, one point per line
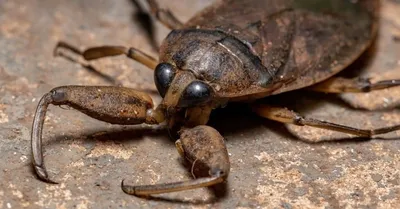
163 76
196 93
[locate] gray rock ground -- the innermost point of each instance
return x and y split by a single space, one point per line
271 167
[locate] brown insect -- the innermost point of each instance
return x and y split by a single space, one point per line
234 50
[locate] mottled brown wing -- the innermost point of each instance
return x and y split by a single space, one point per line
305 41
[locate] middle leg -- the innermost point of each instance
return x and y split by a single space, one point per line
343 85
284 115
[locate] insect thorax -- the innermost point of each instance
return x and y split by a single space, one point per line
215 57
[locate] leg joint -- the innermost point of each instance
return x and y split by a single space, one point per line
364 84
58 95
298 120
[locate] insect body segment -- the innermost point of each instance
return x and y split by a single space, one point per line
218 59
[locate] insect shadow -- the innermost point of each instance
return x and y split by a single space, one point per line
72 53
87 66
143 18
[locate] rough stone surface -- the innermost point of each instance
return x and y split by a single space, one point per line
270 166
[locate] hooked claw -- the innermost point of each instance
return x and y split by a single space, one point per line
128 189
42 174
